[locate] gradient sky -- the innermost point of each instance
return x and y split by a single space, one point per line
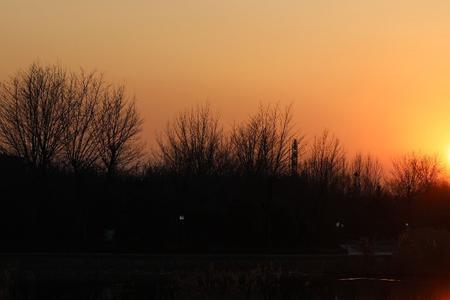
376 73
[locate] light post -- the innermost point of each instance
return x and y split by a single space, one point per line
180 231
339 227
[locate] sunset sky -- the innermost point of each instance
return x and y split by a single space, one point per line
376 73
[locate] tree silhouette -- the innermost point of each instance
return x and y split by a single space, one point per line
261 146
193 143
80 143
117 131
34 111
256 187
413 174
367 174
326 163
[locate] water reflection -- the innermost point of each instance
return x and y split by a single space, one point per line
394 290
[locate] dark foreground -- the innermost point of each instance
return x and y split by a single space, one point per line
210 277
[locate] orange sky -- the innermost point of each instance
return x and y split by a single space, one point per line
376 73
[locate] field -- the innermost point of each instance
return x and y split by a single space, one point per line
114 276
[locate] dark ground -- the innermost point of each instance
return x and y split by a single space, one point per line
119 266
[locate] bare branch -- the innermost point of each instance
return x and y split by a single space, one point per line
117 130
193 143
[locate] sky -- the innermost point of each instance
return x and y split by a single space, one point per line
375 73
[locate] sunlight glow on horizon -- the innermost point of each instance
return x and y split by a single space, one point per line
375 73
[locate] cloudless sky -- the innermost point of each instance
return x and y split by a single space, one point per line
376 73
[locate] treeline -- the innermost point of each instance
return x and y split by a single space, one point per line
75 176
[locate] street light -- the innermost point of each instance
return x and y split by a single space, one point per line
339 228
180 231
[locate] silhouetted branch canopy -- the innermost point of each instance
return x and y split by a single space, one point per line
34 114
413 174
325 165
49 116
118 127
193 143
262 145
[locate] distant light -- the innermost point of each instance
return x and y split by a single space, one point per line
339 225
406 224
181 218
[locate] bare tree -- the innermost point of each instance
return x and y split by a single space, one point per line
261 146
34 114
413 174
193 143
80 141
326 164
367 175
117 131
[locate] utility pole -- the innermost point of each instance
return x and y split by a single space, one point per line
294 158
